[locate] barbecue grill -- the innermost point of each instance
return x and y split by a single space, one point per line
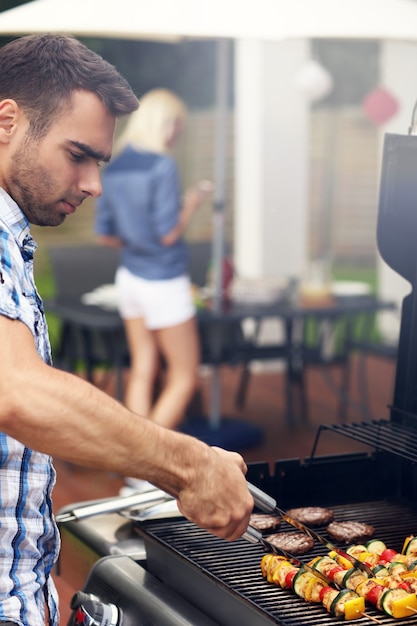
168 571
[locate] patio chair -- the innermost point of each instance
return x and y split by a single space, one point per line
317 340
363 346
89 336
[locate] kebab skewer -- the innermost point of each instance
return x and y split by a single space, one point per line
339 603
389 593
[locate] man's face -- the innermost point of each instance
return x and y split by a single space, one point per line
50 178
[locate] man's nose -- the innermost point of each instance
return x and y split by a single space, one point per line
90 183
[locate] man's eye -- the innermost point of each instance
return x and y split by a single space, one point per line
77 156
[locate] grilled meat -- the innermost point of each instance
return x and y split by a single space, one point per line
265 522
350 531
312 515
294 542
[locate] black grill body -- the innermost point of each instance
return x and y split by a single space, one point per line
222 581
187 574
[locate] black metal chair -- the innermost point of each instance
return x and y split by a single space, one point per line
325 345
250 350
89 337
312 341
365 344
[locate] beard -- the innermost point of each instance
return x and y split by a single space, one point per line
32 188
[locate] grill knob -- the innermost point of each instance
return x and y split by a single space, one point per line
89 611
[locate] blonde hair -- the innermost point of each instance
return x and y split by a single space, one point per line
154 126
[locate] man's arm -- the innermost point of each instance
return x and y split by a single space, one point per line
62 415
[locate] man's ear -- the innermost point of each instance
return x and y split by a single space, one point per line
9 115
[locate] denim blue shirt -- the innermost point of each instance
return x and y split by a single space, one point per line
140 204
29 540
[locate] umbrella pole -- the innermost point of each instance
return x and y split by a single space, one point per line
220 159
215 429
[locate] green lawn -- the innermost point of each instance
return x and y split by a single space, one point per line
362 274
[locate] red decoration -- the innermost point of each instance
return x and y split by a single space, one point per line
380 106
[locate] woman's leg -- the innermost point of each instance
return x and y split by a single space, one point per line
144 363
180 348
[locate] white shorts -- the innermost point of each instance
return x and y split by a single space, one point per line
161 303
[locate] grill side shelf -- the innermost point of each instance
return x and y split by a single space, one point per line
381 435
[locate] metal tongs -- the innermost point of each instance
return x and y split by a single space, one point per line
162 510
267 504
113 505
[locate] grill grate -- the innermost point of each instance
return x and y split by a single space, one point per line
188 559
379 434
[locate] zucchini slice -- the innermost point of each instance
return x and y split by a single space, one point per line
399 603
337 606
380 571
375 545
300 581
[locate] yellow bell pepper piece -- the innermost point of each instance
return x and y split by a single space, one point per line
355 608
273 572
264 563
404 607
343 562
312 589
406 574
406 542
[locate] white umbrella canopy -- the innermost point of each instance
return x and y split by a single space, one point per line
265 19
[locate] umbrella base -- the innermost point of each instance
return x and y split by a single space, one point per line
231 433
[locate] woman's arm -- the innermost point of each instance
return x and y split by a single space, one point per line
193 199
110 241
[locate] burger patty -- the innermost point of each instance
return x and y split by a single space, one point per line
312 515
264 521
350 531
294 542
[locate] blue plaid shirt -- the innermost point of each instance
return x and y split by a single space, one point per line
29 541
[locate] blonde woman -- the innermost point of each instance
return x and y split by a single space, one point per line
141 211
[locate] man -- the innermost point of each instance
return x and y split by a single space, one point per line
58 106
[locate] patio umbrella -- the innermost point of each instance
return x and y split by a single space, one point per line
266 19
269 20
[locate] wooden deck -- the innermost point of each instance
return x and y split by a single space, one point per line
264 407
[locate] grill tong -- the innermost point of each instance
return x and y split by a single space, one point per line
267 504
113 505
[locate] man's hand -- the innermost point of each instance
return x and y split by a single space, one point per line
217 497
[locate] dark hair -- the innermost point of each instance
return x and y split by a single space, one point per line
41 72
